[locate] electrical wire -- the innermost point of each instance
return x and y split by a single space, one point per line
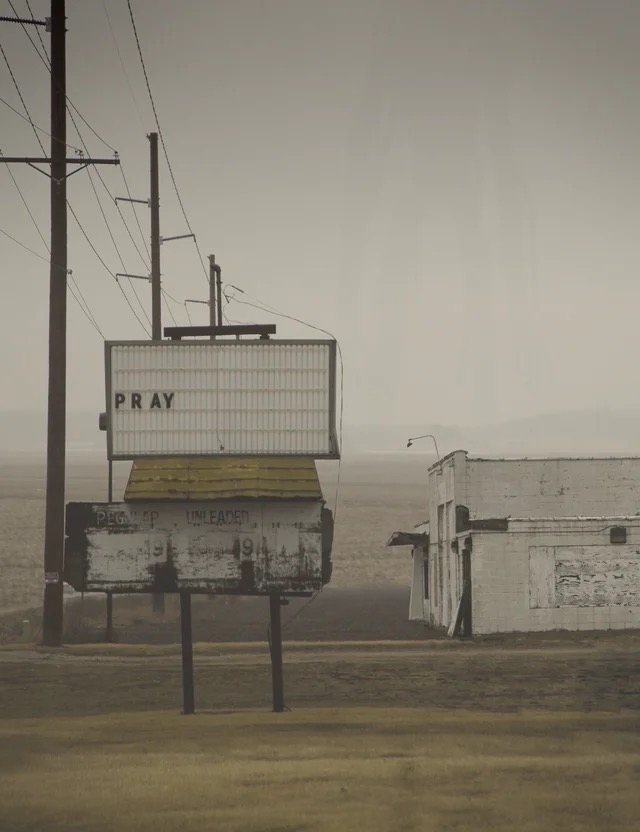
164 147
35 126
87 312
22 101
24 202
301 610
104 216
107 269
135 214
30 120
165 295
22 245
44 57
27 33
122 64
44 48
70 104
80 298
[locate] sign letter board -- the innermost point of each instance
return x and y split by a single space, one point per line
221 398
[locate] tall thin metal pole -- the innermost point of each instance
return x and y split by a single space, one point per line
219 288
52 613
156 291
212 292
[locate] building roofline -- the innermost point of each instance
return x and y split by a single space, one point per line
445 458
577 518
604 458
549 458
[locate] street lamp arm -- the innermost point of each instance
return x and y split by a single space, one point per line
424 436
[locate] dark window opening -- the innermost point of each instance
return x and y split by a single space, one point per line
618 534
425 577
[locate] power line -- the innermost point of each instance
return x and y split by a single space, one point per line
135 214
165 296
45 60
104 217
44 48
86 311
22 101
124 69
107 269
30 120
164 147
24 202
35 126
22 245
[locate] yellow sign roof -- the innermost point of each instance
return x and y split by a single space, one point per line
215 478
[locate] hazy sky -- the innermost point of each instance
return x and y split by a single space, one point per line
448 186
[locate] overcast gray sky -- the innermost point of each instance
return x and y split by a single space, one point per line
448 186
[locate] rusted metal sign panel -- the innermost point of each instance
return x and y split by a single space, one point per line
241 547
221 398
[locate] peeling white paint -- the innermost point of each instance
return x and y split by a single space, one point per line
256 545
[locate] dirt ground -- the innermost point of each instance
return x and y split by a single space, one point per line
321 770
589 672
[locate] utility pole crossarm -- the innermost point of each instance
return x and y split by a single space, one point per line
27 20
177 237
74 160
128 199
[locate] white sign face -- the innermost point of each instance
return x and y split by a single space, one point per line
245 547
221 398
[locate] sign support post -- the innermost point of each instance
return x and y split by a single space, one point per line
188 704
275 645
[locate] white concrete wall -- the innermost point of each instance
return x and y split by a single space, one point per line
419 606
445 483
497 488
549 487
556 575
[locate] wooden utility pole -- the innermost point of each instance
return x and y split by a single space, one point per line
52 612
156 288
52 615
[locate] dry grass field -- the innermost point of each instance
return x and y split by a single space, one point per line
384 770
482 737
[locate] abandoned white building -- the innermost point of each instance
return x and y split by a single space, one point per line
544 544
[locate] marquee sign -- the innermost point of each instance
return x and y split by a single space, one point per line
221 398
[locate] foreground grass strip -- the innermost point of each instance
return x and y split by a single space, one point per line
332 769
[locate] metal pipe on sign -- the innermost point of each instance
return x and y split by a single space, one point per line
212 294
219 291
109 628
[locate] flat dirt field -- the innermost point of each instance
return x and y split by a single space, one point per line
389 726
536 734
